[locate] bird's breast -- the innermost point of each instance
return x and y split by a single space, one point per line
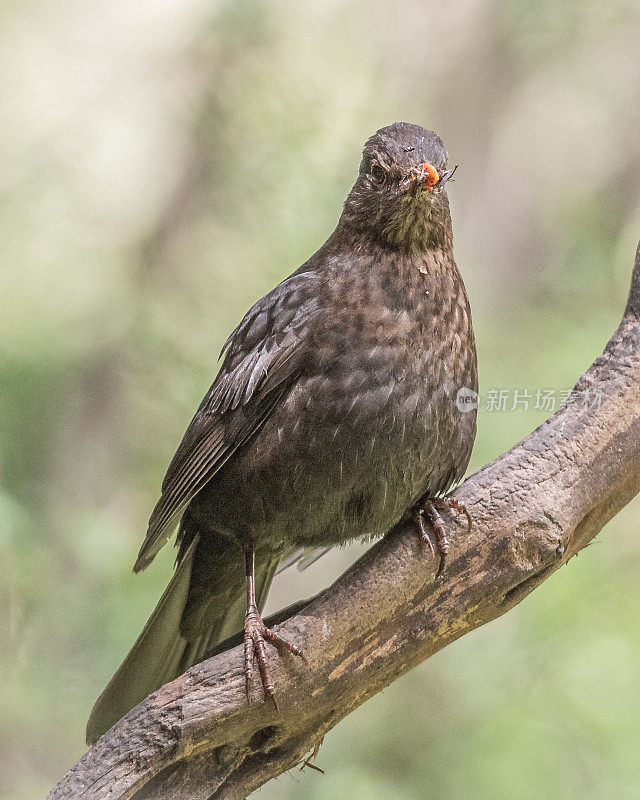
371 423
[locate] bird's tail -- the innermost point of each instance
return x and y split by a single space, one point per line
164 649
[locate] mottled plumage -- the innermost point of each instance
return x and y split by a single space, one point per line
333 413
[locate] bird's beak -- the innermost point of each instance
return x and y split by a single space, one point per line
426 177
444 177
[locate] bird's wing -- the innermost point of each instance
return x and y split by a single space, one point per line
262 359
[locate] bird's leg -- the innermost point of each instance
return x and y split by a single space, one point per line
256 634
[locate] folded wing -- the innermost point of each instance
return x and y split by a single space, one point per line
263 357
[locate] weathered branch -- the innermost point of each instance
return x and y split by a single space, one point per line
533 509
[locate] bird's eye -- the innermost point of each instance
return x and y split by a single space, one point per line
378 174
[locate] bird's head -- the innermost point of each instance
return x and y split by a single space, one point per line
399 198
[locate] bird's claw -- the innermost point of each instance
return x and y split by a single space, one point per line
442 543
256 634
430 508
423 530
455 505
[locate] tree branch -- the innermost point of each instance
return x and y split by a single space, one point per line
533 509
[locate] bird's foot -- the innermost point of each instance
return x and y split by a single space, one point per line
430 509
415 515
256 634
456 505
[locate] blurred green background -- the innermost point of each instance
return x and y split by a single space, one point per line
164 164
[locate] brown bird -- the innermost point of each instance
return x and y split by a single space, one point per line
335 413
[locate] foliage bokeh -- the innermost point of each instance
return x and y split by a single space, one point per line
166 164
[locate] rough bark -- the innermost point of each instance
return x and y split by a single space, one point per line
533 509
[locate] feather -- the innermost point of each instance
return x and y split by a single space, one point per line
257 369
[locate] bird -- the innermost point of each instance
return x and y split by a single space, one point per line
334 415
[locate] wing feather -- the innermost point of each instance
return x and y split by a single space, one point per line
262 360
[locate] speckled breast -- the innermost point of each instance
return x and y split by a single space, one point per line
372 426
